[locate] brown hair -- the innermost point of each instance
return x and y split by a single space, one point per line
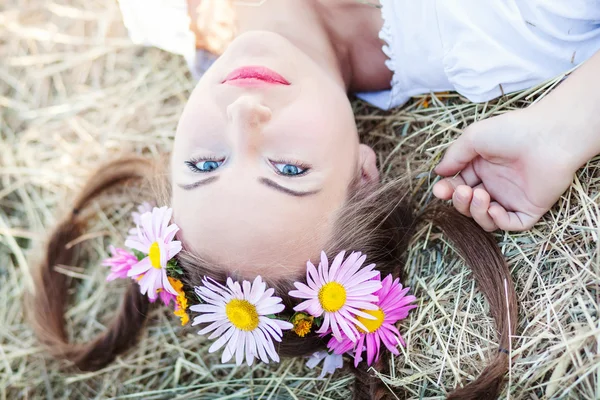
377 221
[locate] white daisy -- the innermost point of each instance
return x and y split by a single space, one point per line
238 317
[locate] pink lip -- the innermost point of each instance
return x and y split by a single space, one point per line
254 76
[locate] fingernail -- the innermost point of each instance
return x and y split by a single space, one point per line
476 201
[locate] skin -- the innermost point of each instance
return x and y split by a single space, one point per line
250 134
506 172
503 172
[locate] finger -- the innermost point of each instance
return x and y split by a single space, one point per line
469 176
458 156
444 189
510 221
479 209
461 199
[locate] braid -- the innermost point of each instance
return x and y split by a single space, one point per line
47 305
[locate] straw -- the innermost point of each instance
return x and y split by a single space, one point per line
74 91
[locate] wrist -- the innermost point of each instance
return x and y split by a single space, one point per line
572 139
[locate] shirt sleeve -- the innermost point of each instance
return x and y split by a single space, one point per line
496 48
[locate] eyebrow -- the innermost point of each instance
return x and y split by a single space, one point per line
265 181
283 189
199 183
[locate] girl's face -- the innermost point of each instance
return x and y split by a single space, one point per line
259 168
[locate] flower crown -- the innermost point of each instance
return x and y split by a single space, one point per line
346 300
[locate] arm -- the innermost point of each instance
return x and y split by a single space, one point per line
575 103
512 168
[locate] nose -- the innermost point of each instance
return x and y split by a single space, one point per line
247 112
247 117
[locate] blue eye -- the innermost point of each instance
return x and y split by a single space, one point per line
289 169
204 165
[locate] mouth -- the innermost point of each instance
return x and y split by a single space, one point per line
254 76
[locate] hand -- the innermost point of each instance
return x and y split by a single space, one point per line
506 172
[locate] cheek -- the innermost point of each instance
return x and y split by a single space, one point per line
179 202
331 118
337 147
326 126
201 129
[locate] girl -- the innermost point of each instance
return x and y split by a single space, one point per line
267 170
504 170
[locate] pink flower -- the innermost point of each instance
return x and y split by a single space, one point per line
165 297
120 263
154 237
340 294
393 305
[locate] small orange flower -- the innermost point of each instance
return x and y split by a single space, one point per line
176 284
183 316
302 323
181 303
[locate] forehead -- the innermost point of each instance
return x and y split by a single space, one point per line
252 229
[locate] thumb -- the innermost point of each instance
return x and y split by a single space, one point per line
459 155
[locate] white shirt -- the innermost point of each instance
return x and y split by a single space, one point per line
482 48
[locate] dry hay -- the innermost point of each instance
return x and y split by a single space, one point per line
74 91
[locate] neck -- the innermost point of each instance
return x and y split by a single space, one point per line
299 22
339 35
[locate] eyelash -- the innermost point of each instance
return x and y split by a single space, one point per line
299 164
192 163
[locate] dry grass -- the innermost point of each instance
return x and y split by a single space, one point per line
73 91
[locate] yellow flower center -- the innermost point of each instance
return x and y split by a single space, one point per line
371 324
242 314
302 324
332 296
154 255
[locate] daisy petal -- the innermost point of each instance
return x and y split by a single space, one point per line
218 327
336 264
260 340
229 350
140 268
222 340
